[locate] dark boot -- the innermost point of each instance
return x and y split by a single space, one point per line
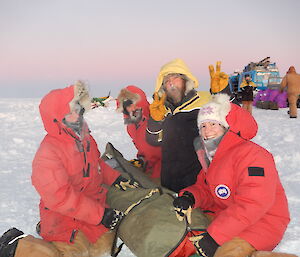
273 105
9 241
293 117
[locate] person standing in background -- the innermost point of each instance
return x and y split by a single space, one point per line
291 81
247 87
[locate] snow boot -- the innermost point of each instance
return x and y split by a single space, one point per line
9 241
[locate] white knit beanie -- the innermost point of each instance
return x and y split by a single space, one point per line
215 110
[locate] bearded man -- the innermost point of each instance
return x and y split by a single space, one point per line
173 121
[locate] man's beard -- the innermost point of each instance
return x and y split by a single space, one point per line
175 95
134 117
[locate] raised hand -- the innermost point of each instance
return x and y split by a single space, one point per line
218 79
157 108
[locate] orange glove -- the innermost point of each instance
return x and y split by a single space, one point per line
157 108
137 163
218 79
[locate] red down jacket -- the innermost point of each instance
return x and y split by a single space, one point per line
242 187
68 175
151 154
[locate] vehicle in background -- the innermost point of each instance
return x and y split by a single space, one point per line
263 73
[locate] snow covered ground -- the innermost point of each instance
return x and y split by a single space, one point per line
21 131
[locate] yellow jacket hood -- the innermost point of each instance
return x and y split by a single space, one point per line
176 66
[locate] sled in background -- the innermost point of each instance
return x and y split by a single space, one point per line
101 101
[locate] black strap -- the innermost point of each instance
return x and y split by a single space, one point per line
115 250
118 250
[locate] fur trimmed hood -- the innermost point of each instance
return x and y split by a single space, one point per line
136 95
126 94
59 102
176 66
81 95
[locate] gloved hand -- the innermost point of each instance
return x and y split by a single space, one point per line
123 183
137 162
157 108
183 206
111 218
218 79
206 246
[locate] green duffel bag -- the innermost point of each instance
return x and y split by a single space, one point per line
150 227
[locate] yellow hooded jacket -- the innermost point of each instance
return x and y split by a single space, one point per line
176 133
178 66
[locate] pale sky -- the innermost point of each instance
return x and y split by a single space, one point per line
48 44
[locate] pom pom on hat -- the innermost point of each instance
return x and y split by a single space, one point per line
215 110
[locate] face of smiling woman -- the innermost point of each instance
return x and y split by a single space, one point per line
211 130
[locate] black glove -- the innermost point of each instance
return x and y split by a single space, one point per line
9 242
183 206
206 246
112 218
123 183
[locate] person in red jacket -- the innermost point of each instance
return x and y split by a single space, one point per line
133 103
70 178
238 185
